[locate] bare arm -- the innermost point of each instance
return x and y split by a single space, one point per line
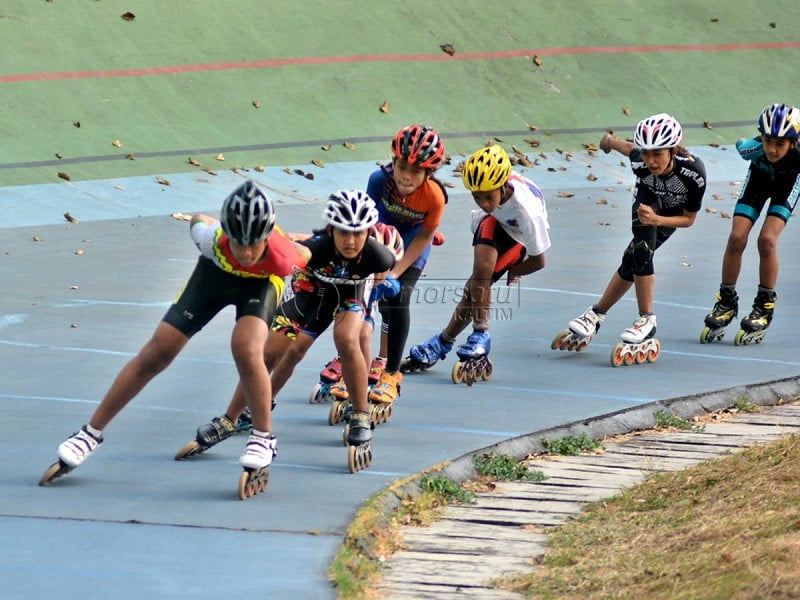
201 218
609 142
647 216
526 267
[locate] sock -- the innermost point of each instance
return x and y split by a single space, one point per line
447 339
97 433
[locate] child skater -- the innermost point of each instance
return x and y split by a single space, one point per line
510 237
774 175
243 259
670 183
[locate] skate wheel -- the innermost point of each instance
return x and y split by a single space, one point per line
314 397
336 414
559 339
629 358
488 369
359 457
641 356
581 346
740 339
705 335
252 482
457 374
345 434
617 358
188 450
654 352
54 471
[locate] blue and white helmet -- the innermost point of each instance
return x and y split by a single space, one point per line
351 210
247 215
657 132
780 121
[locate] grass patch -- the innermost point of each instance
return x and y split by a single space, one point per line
374 535
572 445
670 420
742 404
729 528
502 467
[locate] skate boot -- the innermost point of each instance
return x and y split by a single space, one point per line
725 310
358 439
638 344
341 402
423 356
754 326
330 374
256 458
473 364
580 331
208 435
376 369
71 453
245 421
383 396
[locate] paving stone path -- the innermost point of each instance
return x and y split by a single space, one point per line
503 533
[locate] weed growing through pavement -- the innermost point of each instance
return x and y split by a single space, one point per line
571 445
502 467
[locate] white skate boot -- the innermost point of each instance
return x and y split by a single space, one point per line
71 453
580 331
78 447
642 329
256 458
638 343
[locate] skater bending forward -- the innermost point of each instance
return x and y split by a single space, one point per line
243 259
510 236
670 183
334 288
774 176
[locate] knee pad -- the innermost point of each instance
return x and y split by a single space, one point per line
642 255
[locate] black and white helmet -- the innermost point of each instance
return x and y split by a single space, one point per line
248 215
351 210
657 132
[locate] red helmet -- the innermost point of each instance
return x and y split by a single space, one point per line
389 237
419 145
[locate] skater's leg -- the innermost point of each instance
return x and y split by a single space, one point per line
247 347
643 285
737 242
346 336
617 287
152 359
396 313
768 251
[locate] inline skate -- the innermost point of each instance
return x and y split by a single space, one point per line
473 359
71 454
383 396
579 332
329 376
211 434
725 310
260 450
358 439
754 326
638 343
423 356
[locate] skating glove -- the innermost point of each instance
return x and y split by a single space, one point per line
388 288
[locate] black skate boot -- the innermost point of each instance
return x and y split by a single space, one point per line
725 310
358 437
208 435
754 326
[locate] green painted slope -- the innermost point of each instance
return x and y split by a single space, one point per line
214 110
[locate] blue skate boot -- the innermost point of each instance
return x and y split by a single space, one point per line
474 364
423 356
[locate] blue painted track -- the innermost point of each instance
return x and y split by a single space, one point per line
133 523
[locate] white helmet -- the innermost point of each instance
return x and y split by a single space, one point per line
351 210
657 132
